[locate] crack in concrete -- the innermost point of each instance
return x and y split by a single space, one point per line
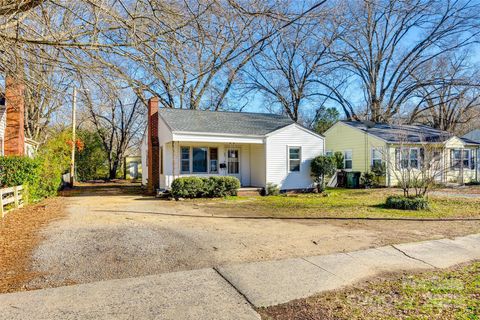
412 257
316 265
234 287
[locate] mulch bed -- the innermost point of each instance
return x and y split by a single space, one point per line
19 235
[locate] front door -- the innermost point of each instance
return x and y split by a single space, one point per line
233 162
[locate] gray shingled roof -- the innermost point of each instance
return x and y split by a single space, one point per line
223 122
395 133
473 135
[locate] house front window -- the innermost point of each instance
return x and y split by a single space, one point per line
294 159
198 160
461 158
376 157
407 158
185 160
348 159
199 163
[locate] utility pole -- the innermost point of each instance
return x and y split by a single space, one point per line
74 138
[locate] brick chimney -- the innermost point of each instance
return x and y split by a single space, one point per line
153 147
14 144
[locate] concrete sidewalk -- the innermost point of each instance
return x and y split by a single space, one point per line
228 292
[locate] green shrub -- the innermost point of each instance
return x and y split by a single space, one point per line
406 203
272 189
320 167
368 179
91 160
212 187
15 171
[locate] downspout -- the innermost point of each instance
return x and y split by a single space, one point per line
173 163
387 168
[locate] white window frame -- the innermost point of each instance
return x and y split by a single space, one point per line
410 158
345 159
372 152
462 158
299 158
190 160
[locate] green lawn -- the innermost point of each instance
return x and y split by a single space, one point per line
446 294
343 203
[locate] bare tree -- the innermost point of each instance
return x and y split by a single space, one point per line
115 114
416 169
389 41
446 104
286 72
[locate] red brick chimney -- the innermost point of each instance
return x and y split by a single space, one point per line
14 144
153 147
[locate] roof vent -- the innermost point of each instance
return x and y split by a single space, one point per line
368 124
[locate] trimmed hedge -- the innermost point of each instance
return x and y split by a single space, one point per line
41 177
406 203
199 187
15 171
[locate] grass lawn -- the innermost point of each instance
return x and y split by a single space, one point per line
342 203
446 294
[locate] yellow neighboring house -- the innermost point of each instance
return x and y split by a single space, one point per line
403 147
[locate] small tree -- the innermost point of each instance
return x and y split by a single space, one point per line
322 166
339 158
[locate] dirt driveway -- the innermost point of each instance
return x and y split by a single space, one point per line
113 233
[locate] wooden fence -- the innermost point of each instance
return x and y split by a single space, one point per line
11 198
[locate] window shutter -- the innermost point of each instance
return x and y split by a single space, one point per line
451 158
472 158
422 157
397 158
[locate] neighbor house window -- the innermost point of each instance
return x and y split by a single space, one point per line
348 159
185 160
460 157
213 160
199 163
294 159
376 157
407 158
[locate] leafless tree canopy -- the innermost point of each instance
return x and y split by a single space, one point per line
382 60
388 42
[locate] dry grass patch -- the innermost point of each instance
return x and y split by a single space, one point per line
445 294
19 235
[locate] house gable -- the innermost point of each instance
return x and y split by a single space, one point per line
342 137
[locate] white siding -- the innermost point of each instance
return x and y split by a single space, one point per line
171 159
144 155
257 165
277 145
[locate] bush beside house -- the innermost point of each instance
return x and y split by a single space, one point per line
199 187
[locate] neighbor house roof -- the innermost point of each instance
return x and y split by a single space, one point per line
473 135
223 122
396 133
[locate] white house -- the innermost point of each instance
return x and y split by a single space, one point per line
256 148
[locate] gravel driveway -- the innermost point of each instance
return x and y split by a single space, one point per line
108 234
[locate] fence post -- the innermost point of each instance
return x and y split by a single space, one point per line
15 196
1 203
